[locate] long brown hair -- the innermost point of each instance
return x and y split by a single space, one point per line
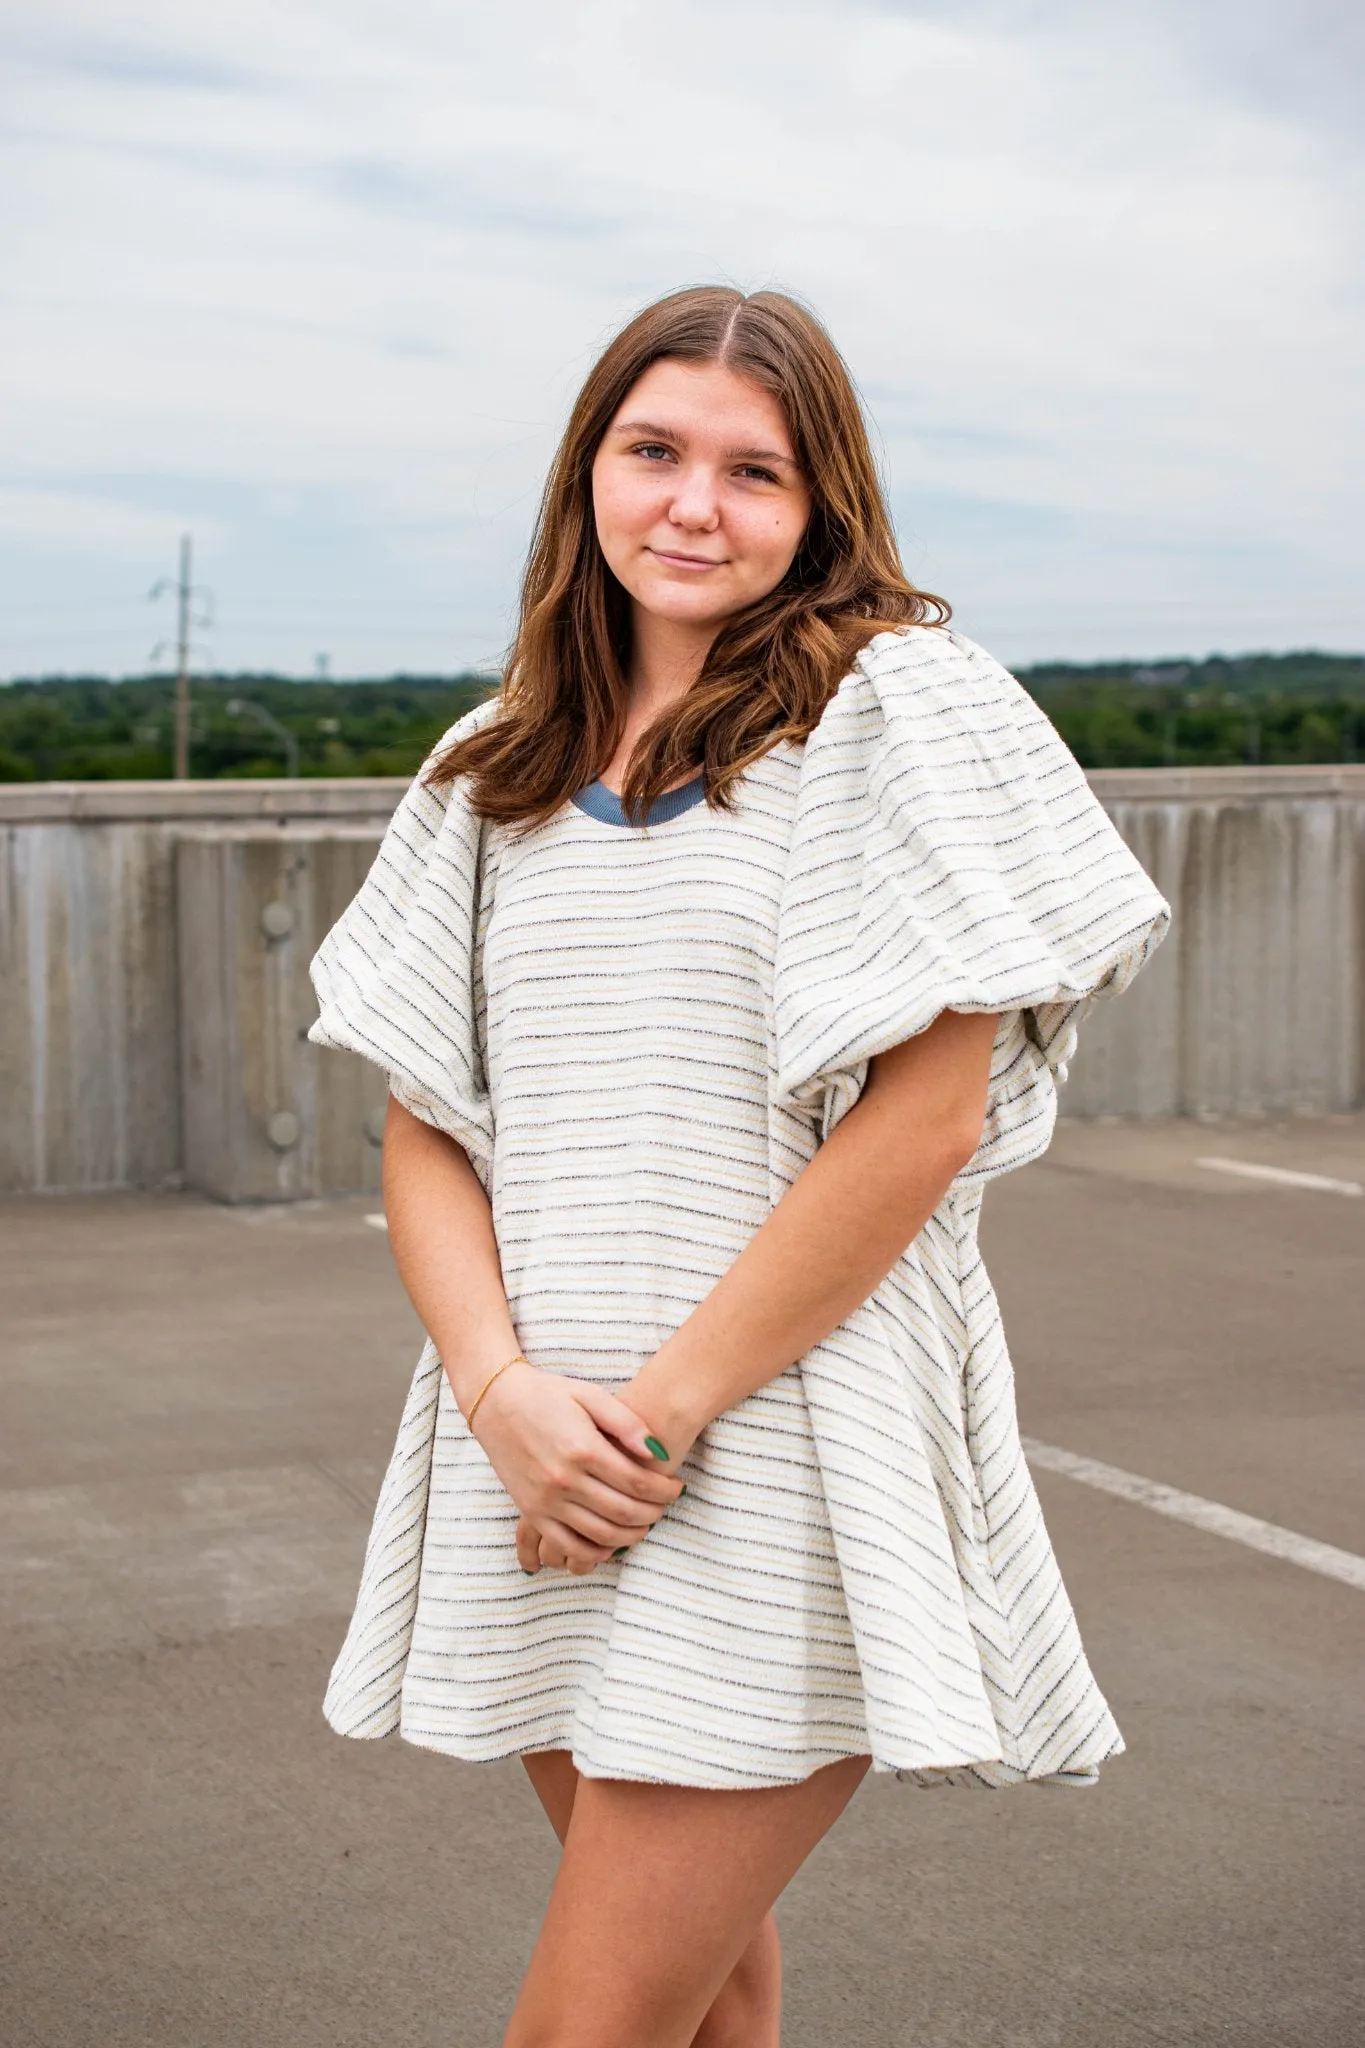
773 668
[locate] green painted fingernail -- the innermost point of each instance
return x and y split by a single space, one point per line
656 1449
530 1570
621 1552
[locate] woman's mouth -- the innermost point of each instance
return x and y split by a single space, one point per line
675 560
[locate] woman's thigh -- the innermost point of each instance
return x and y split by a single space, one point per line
554 1777
659 1891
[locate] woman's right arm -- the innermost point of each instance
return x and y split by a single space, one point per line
573 1458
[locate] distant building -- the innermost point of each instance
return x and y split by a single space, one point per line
1172 673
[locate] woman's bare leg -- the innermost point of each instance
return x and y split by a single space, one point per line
661 1895
747 2010
554 1776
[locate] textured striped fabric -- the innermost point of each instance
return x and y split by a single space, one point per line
639 1036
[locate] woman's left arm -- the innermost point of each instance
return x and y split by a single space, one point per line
832 1238
835 1234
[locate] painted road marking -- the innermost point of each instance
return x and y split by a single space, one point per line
378 1222
1284 1176
1208 1515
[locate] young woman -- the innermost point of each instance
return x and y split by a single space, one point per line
716 966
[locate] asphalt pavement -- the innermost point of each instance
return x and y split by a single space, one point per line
195 1407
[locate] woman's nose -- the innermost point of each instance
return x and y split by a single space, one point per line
696 501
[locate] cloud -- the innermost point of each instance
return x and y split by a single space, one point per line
86 521
1094 269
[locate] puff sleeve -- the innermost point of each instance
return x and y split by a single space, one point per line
398 977
948 853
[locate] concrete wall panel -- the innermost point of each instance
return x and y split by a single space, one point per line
89 1084
1129 1059
1253 1005
269 1117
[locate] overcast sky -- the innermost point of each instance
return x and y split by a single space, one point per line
318 282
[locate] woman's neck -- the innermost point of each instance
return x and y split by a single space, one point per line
666 658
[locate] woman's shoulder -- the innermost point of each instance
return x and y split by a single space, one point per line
926 701
469 722
428 803
921 676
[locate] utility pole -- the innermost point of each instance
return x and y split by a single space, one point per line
186 621
182 666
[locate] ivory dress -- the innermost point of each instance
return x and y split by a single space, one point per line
639 1035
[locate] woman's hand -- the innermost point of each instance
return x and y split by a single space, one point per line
676 1434
577 1461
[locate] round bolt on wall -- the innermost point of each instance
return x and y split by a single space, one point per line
282 1129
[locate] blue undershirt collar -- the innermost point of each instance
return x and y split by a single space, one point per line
603 804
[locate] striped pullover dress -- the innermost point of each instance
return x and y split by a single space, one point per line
640 1036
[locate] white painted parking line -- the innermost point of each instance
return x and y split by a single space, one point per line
1283 1176
378 1222
1208 1515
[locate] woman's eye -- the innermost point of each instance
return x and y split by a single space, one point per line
754 472
653 450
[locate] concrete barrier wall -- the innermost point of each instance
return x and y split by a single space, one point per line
91 1084
1254 1004
153 1003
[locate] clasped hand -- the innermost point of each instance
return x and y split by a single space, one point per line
576 1461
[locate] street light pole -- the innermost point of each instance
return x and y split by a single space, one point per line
242 707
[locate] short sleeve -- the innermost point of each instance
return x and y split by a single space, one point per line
948 854
397 977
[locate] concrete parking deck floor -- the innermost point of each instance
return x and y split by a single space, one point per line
196 1407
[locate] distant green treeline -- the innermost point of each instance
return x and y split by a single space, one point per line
1271 708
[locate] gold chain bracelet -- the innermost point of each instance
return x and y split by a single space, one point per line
519 1358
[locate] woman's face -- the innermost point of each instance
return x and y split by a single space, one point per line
699 503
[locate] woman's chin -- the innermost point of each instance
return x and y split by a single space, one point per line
684 605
